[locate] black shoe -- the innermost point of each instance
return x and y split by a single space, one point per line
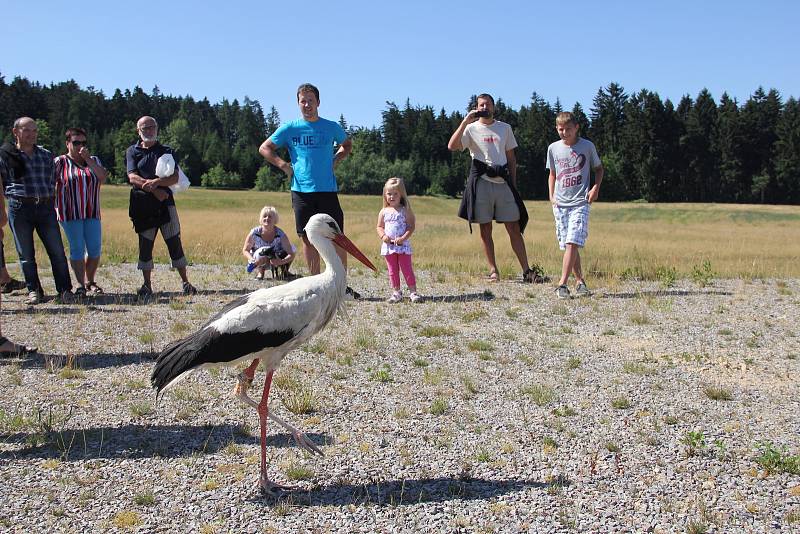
535 276
12 285
144 292
352 293
189 289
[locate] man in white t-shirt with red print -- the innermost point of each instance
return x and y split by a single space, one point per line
492 143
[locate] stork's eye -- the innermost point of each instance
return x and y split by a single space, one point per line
334 226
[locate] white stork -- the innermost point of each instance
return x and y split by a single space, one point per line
266 325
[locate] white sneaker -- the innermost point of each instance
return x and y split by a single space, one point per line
395 298
415 297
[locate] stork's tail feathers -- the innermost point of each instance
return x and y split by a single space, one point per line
175 362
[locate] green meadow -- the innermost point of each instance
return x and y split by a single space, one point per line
625 239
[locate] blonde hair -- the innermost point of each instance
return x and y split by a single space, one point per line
565 117
396 183
271 210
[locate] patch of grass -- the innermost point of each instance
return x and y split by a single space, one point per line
609 332
725 332
540 394
439 406
483 456
573 362
436 331
564 411
364 339
300 400
621 403
639 318
697 526
612 447
433 377
382 375
470 386
420 362
703 274
209 484
317 346
126 519
474 315
141 409
299 472
717 393
144 499
180 328
670 420
479 345
547 441
776 460
567 330
512 313
638 368
147 338
667 276
559 308
177 305
695 442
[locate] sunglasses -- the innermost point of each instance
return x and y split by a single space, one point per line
78 143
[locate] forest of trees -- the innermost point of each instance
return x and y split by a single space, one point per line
701 150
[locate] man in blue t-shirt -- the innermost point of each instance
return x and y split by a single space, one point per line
310 142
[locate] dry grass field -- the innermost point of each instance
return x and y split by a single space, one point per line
625 240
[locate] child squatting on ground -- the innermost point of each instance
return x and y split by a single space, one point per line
267 245
395 225
570 161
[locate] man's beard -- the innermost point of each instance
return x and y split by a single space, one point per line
150 138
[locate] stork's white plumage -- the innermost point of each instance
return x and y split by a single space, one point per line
266 325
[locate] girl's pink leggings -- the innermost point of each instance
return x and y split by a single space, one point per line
397 263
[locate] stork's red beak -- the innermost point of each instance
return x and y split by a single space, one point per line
350 247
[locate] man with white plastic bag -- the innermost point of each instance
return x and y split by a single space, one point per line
152 206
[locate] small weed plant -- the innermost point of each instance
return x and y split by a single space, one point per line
540 394
703 274
776 460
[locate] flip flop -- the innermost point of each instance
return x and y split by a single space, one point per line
21 350
492 277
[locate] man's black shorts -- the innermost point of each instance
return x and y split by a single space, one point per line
307 204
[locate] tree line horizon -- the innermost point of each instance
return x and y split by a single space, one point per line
698 151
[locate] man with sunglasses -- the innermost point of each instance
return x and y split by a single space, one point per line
153 206
27 172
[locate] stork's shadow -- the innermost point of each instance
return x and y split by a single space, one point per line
134 441
406 492
85 361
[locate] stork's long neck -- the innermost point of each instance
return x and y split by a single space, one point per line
333 264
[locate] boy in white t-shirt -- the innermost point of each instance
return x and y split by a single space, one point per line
571 161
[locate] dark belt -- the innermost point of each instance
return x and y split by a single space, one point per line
34 200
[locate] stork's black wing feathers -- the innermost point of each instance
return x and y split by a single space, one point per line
208 346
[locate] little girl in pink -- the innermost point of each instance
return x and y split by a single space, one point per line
395 226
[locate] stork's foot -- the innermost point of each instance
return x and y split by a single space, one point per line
272 489
306 444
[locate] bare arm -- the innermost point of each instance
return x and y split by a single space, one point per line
381 229
268 151
454 144
551 183
344 150
96 168
594 192
512 166
248 244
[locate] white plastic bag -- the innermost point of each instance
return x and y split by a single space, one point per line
165 166
183 182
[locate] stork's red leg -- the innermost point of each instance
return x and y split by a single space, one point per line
266 485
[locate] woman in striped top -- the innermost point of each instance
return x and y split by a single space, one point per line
78 179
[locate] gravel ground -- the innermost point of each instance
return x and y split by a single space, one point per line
487 407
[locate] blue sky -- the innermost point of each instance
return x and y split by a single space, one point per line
362 54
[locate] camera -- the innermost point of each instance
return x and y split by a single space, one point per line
481 113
